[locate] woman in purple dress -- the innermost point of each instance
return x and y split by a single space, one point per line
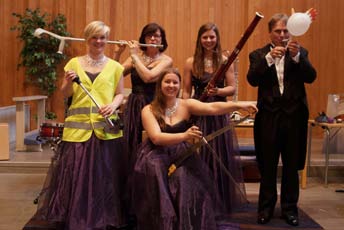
84 185
186 199
144 65
197 73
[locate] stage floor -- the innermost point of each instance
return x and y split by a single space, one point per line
22 177
18 190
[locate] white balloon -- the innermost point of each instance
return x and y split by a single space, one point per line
298 23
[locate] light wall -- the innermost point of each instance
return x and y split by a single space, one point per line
181 20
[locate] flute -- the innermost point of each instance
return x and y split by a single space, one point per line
39 31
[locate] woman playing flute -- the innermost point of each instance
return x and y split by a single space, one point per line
144 65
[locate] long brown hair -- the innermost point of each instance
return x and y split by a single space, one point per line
198 62
158 104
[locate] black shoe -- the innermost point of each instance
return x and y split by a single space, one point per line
291 219
264 217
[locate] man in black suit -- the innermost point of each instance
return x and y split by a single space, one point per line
280 70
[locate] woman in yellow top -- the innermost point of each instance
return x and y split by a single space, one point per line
84 187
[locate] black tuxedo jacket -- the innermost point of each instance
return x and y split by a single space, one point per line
265 77
293 101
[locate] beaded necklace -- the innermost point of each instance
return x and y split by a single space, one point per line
170 111
208 63
95 63
148 60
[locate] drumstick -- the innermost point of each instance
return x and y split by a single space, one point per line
77 80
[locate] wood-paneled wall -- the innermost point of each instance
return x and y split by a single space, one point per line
181 20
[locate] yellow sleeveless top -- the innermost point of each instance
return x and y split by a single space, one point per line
82 116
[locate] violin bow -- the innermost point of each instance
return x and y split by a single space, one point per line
224 168
204 140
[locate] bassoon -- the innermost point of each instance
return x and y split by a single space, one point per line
218 76
220 73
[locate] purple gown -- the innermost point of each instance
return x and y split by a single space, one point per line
230 187
141 95
84 185
185 200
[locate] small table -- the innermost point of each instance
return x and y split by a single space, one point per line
245 125
327 127
20 117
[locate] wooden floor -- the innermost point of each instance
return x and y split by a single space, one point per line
23 175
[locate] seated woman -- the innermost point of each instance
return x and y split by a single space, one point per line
184 200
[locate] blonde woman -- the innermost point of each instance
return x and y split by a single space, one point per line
84 185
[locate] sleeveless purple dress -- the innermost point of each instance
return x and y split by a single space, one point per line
141 95
230 187
185 200
85 185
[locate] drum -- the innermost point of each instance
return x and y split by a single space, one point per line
51 131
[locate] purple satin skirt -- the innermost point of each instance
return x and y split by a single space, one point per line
185 200
223 158
133 128
84 186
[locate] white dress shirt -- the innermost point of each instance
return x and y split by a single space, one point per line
279 65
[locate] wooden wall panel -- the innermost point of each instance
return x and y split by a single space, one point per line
181 20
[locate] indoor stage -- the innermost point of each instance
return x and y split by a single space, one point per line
321 207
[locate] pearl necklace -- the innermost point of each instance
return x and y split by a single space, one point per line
170 111
208 63
95 63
